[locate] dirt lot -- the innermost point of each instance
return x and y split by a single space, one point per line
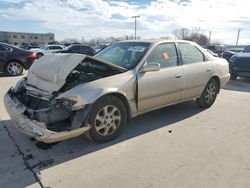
178 146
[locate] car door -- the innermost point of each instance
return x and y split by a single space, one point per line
197 70
57 48
3 57
51 49
84 50
159 88
243 62
76 49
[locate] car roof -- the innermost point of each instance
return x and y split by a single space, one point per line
3 43
78 45
12 46
54 45
156 41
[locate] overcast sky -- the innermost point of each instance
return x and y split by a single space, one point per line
98 18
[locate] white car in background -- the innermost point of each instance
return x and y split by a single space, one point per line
47 49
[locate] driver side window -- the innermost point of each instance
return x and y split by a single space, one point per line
165 54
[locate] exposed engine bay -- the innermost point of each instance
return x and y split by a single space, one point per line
88 71
58 113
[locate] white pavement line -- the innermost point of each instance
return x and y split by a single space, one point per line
25 161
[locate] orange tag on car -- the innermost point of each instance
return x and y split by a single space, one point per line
165 56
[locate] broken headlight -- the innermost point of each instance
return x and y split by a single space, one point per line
72 103
20 86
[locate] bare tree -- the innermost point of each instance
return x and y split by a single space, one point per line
194 35
182 33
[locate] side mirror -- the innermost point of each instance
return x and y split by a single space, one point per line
152 66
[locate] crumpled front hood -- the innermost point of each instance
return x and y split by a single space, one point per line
50 71
48 74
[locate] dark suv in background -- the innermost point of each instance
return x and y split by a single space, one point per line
78 49
13 59
239 64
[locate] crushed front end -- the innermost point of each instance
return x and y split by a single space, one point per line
44 117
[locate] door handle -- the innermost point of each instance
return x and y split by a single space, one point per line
208 70
178 75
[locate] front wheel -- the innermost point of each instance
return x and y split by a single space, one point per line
208 95
107 117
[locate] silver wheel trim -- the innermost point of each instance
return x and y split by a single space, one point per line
107 120
14 68
210 93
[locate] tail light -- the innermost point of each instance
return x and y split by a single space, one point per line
32 56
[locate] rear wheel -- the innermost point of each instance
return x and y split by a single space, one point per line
209 94
14 68
39 55
107 117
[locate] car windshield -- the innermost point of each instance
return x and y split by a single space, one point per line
43 47
124 54
68 47
247 49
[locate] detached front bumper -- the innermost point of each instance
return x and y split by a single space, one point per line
33 128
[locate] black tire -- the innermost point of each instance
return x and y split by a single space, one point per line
107 126
39 55
209 94
14 68
233 77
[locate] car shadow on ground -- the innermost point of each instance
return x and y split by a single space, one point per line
241 84
3 74
42 156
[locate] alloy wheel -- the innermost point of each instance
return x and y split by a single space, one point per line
210 93
14 68
107 120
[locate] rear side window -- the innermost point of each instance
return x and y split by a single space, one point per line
165 54
5 48
75 48
50 48
57 48
190 54
85 49
54 48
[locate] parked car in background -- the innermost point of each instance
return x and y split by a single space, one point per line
212 53
13 59
239 64
28 46
100 47
47 49
218 49
78 49
66 95
230 52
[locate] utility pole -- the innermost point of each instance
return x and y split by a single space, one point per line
135 17
183 33
238 37
209 37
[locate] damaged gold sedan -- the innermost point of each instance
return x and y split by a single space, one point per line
66 95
